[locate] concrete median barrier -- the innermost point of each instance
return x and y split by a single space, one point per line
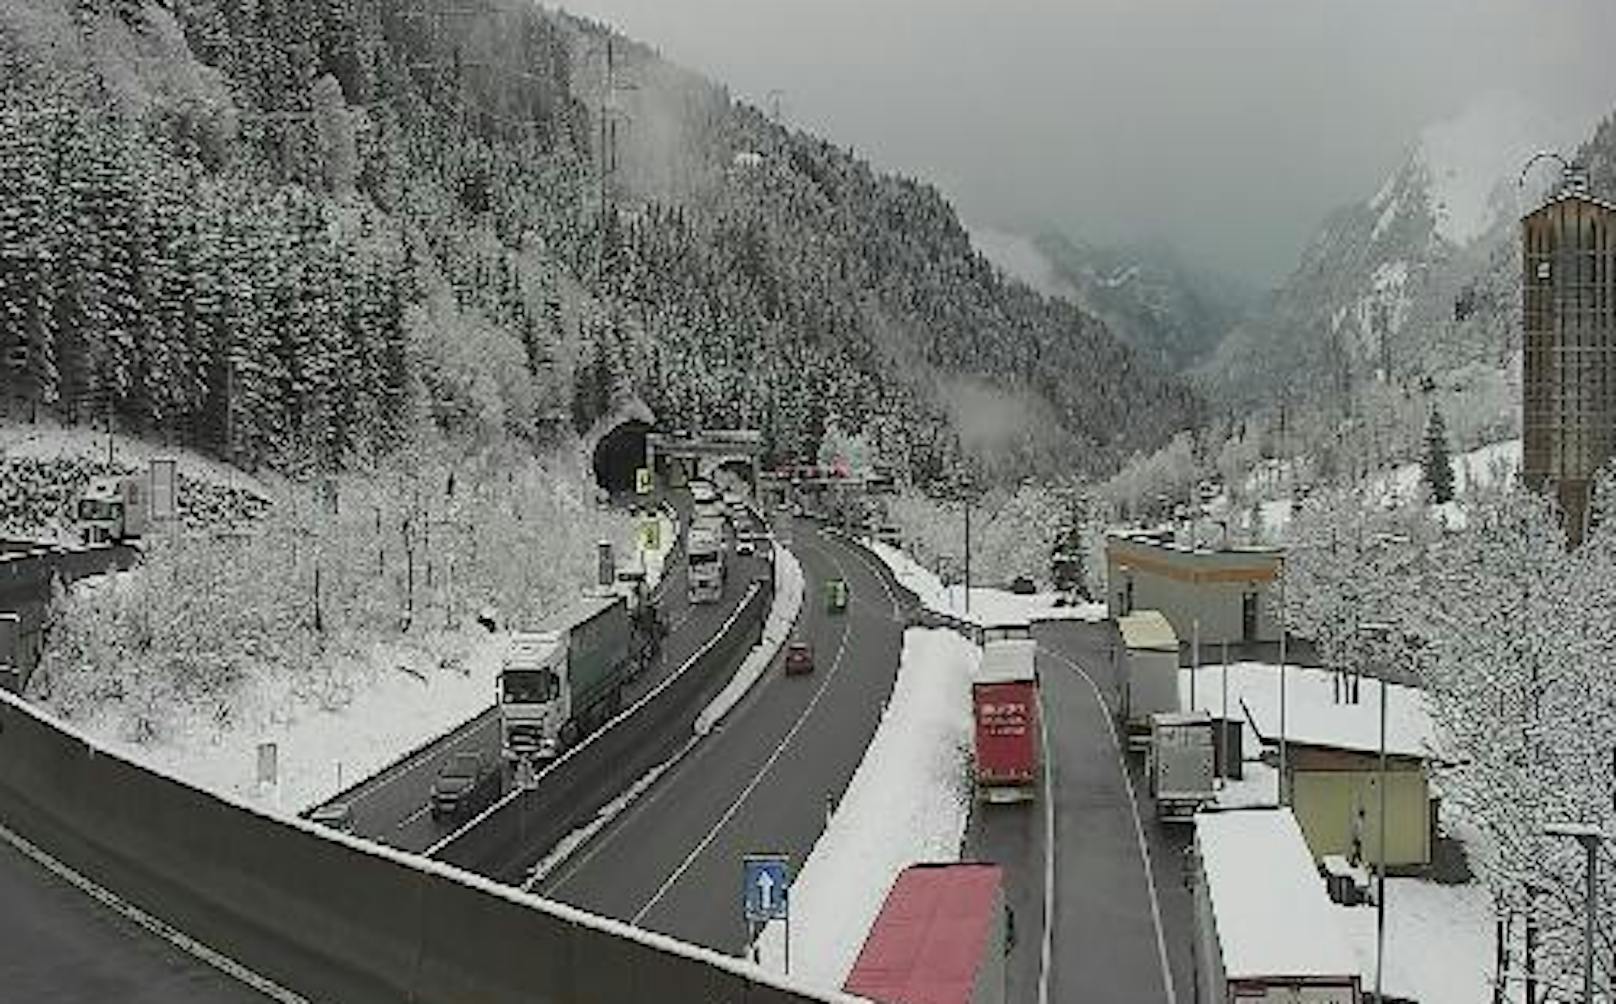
326 916
509 838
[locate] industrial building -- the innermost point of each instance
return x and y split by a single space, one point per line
1568 380
1215 595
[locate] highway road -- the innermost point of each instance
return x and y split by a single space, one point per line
57 944
1123 918
391 807
762 781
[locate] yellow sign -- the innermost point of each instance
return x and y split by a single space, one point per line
650 535
642 480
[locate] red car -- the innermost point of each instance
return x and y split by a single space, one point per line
799 658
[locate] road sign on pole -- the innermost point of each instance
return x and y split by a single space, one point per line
164 489
766 887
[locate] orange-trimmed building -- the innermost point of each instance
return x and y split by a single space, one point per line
1225 592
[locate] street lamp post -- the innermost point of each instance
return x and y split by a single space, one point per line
1284 743
1589 837
1383 630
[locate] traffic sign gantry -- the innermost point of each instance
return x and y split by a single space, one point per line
766 887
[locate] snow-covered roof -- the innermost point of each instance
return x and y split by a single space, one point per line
1271 912
1148 629
1312 715
1008 661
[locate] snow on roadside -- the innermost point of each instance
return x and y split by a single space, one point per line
988 606
343 724
1439 941
50 441
402 698
783 612
907 803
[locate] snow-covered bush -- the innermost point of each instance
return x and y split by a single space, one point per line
303 597
1012 533
1513 640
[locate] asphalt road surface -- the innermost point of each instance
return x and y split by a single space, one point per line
763 781
59 945
1123 919
392 807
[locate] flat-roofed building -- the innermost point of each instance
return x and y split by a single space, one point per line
1221 595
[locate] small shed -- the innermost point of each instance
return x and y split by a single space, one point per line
1151 668
1332 768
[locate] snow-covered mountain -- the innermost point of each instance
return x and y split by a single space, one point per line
1166 309
1414 287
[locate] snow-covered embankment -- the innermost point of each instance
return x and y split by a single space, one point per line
908 802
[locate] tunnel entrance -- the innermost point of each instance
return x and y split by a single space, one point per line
741 469
619 454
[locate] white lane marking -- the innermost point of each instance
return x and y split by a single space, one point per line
757 778
417 814
546 868
1138 827
1048 947
858 552
653 694
175 937
636 806
430 754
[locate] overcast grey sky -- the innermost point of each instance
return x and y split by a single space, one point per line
1229 127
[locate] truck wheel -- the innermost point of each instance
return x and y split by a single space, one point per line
568 734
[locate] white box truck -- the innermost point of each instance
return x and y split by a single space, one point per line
1150 683
1180 765
1266 932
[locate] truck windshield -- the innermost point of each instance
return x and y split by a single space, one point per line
97 509
528 686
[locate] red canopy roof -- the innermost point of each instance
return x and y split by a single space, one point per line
927 943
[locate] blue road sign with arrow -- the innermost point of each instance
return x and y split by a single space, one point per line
766 887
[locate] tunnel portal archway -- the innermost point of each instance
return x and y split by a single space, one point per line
619 454
740 468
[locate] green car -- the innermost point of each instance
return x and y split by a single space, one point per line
836 595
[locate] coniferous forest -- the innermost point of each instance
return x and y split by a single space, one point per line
297 234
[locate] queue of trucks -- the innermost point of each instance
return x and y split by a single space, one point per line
705 544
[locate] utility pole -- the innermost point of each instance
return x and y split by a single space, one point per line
609 114
965 497
1589 837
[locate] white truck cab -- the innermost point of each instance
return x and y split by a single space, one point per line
533 696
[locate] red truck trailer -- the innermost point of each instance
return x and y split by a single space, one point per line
940 938
1005 705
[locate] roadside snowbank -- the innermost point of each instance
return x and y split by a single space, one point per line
326 739
783 612
988 606
342 722
907 803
